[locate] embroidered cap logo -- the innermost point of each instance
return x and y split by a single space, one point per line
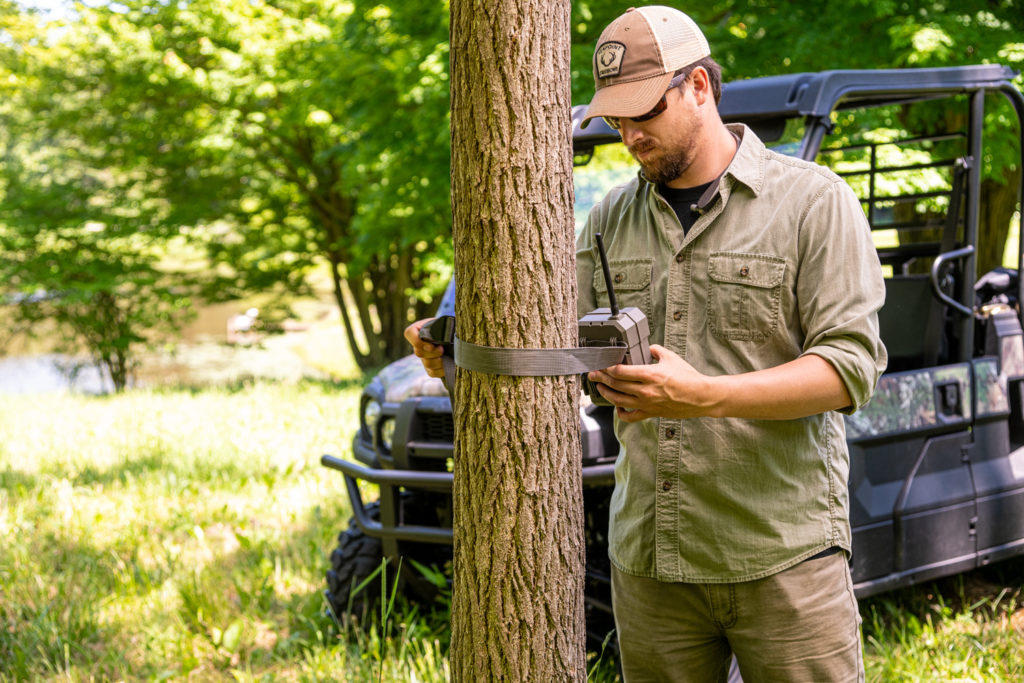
608 59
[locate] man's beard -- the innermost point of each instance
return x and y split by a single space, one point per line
670 165
666 168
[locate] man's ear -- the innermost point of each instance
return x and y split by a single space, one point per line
700 83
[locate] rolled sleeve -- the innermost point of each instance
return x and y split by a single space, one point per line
840 290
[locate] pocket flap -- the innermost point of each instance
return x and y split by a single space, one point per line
628 275
755 270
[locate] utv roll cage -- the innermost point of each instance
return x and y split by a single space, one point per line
767 104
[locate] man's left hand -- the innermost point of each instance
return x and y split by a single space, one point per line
669 388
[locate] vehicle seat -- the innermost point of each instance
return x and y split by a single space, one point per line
908 322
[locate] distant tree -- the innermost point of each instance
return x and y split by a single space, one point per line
762 38
517 598
80 238
277 135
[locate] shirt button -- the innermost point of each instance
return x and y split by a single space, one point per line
744 271
666 486
619 277
679 258
677 315
670 433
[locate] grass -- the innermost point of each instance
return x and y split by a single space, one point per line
177 534
963 628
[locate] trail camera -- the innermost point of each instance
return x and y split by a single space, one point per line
614 327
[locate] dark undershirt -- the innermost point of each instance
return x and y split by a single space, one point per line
682 200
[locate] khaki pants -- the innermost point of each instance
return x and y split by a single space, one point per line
801 624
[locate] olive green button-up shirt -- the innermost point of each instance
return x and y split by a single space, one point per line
780 265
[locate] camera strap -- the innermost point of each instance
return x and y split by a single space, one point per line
514 362
536 362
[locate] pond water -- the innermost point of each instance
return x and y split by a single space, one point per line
313 346
48 373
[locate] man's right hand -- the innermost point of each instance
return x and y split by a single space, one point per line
429 354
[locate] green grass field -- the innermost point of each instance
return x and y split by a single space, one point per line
179 534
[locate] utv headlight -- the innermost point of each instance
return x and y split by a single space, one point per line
371 413
387 433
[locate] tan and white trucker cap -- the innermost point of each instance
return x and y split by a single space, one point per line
636 57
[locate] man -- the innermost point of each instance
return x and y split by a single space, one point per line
729 527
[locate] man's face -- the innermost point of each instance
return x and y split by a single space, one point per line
666 145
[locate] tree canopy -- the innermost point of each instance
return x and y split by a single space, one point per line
271 136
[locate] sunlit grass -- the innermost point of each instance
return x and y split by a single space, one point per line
184 534
963 628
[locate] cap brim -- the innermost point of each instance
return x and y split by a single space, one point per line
634 98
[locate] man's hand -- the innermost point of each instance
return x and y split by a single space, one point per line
805 386
669 388
429 354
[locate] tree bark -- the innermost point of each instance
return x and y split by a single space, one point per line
998 204
361 359
517 603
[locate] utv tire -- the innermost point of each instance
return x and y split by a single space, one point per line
356 558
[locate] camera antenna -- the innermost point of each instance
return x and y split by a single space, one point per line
612 303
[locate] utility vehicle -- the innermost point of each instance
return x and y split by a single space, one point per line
937 471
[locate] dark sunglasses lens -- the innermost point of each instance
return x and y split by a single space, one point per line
614 122
661 106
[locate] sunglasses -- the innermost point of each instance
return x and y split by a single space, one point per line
615 122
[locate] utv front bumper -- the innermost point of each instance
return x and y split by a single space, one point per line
391 482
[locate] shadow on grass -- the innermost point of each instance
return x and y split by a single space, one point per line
246 383
998 587
51 618
17 482
73 603
121 473
153 465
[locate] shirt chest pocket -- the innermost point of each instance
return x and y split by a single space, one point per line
631 280
743 301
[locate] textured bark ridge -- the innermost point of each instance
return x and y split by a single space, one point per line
517 611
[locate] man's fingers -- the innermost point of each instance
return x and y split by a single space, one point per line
619 398
628 373
412 332
429 354
615 381
427 351
625 405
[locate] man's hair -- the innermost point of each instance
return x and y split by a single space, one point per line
714 72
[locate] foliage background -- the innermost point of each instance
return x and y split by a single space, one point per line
159 154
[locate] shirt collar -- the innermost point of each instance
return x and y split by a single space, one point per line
747 165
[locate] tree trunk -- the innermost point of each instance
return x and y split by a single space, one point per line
361 359
517 603
998 204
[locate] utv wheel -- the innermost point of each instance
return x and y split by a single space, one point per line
356 558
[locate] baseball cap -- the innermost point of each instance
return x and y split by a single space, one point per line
636 56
